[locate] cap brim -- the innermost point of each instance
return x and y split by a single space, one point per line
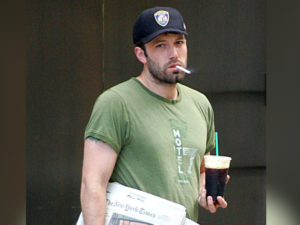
155 34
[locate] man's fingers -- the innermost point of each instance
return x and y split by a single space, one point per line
222 202
202 198
211 206
227 178
208 203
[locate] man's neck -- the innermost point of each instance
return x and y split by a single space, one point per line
168 91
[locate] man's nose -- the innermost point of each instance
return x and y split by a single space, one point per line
173 52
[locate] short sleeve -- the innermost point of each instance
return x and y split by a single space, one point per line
109 120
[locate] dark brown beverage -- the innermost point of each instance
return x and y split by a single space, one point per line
216 168
215 182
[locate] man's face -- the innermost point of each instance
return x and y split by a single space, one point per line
164 53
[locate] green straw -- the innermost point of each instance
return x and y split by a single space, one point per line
217 150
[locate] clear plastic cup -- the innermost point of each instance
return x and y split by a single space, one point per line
216 171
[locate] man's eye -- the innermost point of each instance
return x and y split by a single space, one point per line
160 46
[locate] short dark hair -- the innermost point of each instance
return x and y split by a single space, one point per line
142 46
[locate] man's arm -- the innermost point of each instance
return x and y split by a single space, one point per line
98 163
208 203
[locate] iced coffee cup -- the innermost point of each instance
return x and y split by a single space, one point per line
216 170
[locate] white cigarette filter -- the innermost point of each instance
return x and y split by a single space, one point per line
183 69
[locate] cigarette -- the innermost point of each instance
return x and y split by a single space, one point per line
183 69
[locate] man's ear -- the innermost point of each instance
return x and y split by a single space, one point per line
140 54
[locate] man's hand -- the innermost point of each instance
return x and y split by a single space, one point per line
208 204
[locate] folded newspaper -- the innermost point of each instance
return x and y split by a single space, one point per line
129 205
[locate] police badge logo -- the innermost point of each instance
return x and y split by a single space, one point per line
162 17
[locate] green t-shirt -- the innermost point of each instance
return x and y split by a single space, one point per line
160 142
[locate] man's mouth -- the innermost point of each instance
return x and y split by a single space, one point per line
174 65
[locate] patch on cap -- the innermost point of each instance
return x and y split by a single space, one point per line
162 17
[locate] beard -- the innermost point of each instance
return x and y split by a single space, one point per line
161 76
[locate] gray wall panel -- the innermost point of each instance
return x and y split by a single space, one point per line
246 197
62 81
240 120
227 45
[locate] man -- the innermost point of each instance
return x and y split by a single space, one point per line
150 132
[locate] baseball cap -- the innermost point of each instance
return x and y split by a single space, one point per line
155 21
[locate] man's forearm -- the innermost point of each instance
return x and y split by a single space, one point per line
93 206
98 164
